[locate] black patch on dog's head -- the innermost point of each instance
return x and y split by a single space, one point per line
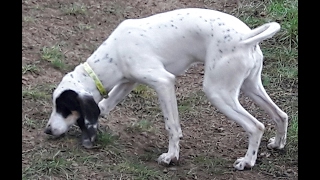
87 108
67 102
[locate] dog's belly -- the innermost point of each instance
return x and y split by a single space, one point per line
178 68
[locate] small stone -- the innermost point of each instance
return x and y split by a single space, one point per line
172 168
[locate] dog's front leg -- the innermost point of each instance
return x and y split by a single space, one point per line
115 96
163 83
168 102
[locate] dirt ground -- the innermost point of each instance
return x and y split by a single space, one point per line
211 142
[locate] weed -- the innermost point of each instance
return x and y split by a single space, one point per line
28 122
213 165
55 56
141 126
75 9
144 91
138 170
286 11
105 138
84 27
292 136
34 93
30 68
48 167
28 19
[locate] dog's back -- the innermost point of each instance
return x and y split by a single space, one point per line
183 36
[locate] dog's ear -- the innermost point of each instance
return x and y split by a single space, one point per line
85 105
88 121
89 108
88 111
67 102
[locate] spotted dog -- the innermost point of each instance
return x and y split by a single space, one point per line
153 51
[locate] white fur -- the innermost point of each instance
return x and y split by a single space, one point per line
155 49
60 125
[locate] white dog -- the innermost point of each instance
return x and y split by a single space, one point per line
153 51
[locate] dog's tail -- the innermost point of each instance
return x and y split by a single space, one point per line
260 33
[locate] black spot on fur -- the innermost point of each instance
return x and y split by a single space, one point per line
254 152
71 75
96 60
110 60
220 50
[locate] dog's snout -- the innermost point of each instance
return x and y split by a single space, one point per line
48 131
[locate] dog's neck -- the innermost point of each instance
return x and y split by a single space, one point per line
79 81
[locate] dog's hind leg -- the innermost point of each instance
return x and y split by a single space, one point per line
118 93
253 87
222 85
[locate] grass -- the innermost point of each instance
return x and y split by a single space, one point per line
144 91
105 138
54 56
28 122
30 68
75 9
48 167
84 27
138 170
141 126
213 165
34 93
28 19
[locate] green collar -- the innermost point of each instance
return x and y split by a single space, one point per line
93 75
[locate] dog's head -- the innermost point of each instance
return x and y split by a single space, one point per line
70 107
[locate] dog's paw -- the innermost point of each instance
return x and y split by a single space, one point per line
273 145
166 159
242 163
102 109
87 144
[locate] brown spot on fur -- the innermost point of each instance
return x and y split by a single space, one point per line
72 118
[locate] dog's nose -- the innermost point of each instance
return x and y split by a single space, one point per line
48 131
